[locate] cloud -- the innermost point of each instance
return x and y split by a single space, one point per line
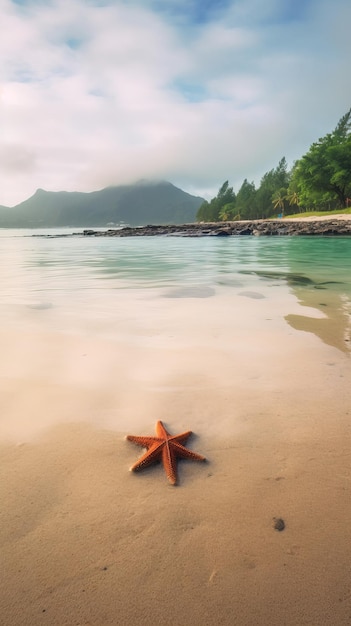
15 159
99 93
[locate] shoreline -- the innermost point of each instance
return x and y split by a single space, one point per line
336 226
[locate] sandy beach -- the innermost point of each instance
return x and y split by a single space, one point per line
85 541
318 218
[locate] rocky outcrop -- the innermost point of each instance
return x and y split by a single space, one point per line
224 229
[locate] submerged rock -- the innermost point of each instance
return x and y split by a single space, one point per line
255 295
196 291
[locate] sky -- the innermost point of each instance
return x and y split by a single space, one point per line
96 93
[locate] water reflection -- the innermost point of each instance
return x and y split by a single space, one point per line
319 275
70 273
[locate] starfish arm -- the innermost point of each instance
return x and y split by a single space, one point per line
161 431
152 455
169 463
144 442
164 434
182 437
185 453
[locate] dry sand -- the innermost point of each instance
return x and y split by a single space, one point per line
319 218
83 541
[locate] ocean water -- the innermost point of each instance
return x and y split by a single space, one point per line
118 332
67 282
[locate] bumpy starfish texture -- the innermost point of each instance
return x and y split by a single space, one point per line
166 448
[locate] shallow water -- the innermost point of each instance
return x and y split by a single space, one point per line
67 280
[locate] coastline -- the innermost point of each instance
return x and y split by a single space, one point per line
84 541
316 226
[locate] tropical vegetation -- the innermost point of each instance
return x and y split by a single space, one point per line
319 181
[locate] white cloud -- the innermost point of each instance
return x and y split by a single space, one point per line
99 94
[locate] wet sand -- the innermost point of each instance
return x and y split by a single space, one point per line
84 541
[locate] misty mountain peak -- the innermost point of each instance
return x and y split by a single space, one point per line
144 202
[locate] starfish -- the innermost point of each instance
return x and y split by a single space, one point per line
166 448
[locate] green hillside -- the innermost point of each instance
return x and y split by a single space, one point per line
138 204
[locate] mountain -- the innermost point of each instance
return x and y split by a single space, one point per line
138 204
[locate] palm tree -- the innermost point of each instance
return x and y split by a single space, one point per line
226 212
293 198
278 200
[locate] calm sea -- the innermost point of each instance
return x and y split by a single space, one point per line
62 280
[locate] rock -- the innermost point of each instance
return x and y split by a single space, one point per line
258 228
279 523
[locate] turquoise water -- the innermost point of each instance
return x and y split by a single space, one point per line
157 261
89 272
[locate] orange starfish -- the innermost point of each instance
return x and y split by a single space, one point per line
166 448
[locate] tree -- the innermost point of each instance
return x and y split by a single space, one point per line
246 200
227 212
323 175
222 204
321 179
293 197
226 197
270 184
278 199
202 214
